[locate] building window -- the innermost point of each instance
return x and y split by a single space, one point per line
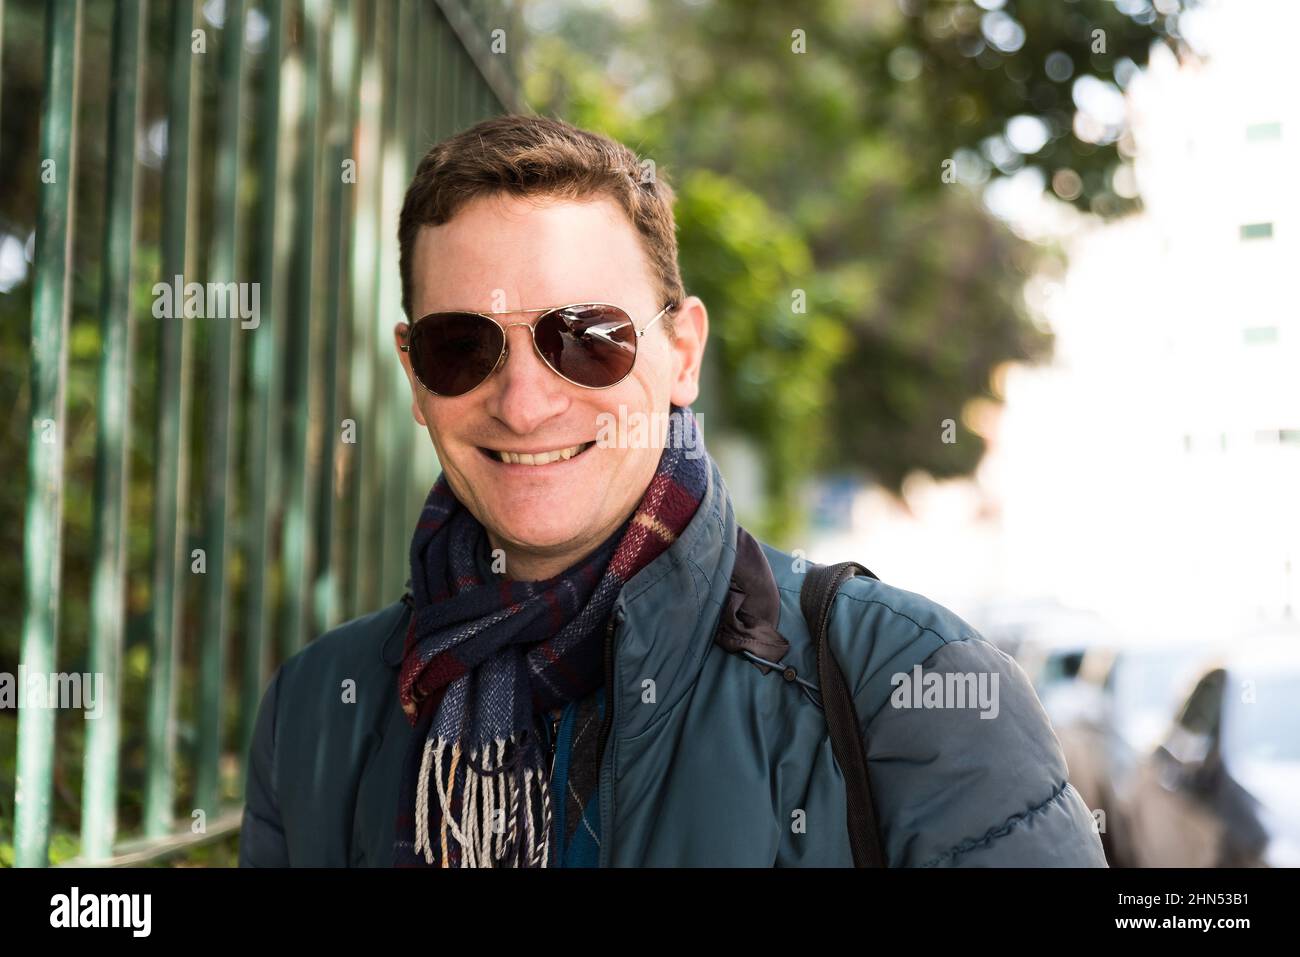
1259 335
1257 231
1262 132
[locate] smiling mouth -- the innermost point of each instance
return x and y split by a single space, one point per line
537 458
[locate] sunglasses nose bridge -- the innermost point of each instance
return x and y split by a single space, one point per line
532 336
505 334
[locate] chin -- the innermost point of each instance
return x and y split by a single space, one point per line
539 528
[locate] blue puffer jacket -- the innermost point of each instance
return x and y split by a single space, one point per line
709 762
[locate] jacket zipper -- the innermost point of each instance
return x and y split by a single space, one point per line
606 781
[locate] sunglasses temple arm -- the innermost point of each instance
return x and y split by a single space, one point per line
641 332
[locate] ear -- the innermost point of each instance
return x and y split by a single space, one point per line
691 329
401 332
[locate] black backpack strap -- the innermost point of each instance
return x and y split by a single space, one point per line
816 599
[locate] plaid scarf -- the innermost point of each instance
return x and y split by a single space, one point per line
485 655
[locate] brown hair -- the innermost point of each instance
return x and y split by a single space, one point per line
525 155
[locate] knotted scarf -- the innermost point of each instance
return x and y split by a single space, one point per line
485 655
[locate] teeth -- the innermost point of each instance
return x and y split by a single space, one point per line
538 458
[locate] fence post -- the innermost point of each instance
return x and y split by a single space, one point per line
372 322
171 470
266 353
338 144
43 523
297 529
2 47
223 345
108 589
397 517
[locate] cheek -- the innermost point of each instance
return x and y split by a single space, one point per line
656 375
438 422
440 414
648 384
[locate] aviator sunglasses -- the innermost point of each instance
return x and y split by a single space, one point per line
591 344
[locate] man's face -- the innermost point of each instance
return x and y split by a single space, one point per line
506 253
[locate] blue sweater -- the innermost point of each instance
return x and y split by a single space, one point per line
577 843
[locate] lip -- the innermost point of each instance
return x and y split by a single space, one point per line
515 467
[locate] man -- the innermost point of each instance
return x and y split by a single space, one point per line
550 691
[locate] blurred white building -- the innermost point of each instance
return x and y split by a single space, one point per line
1152 472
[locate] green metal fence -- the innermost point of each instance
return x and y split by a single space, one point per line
284 470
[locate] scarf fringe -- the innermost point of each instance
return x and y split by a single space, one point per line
487 830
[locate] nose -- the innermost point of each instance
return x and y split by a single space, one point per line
527 392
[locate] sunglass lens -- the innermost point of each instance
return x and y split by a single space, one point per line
592 345
452 352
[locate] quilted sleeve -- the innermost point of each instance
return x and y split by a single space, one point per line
967 771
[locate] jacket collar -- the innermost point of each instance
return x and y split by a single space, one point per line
668 611
392 647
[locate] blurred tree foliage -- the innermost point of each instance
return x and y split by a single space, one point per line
752 259
841 159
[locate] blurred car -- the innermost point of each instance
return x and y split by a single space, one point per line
1124 697
1048 641
1222 788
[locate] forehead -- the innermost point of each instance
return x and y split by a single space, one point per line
510 252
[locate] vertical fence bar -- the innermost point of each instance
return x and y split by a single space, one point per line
426 75
370 314
224 385
345 514
397 521
455 88
290 118
422 470
108 587
468 85
383 411
171 470
415 454
480 84
371 545
408 453
266 351
364 218
296 529
43 523
318 343
2 48
318 382
279 479
446 73
338 147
